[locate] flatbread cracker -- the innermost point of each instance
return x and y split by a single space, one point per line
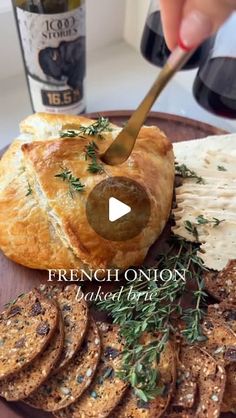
214 160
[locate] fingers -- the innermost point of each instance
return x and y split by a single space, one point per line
193 20
171 13
201 18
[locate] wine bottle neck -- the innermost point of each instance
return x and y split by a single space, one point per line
35 6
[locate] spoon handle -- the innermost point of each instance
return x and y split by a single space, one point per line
120 150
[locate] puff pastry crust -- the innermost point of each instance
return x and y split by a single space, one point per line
47 229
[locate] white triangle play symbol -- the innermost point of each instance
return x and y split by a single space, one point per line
117 209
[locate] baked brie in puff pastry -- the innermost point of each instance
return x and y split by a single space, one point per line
43 223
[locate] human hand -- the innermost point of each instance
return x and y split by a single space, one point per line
192 21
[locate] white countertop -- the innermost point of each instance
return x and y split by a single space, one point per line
117 78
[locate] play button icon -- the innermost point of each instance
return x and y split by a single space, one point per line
118 208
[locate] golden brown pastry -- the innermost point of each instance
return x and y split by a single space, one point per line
43 226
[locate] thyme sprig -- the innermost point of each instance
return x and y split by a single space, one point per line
156 314
191 227
221 168
13 302
193 316
91 152
95 129
75 184
29 190
185 172
70 133
214 221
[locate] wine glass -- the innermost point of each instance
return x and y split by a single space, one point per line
153 45
215 85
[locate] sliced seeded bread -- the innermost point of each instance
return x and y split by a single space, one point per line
26 327
200 384
229 399
133 407
107 389
221 341
181 414
75 315
64 387
222 285
26 381
224 312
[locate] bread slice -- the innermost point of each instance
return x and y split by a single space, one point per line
107 389
221 341
200 384
229 399
222 285
64 387
75 316
132 407
26 327
26 381
182 414
224 312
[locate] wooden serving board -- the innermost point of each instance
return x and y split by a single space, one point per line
15 279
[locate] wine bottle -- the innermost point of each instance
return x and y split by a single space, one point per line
52 38
153 45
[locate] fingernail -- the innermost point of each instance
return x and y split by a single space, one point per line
195 28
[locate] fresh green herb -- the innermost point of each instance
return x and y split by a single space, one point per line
200 220
75 184
193 317
94 167
95 129
203 221
221 168
29 190
108 373
141 314
70 133
191 228
21 170
13 302
185 172
91 151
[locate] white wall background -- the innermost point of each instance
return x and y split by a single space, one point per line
135 16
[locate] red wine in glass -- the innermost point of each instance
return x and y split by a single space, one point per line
215 86
155 50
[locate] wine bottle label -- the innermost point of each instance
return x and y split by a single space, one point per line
225 45
54 53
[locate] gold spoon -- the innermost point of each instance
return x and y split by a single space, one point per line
121 148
